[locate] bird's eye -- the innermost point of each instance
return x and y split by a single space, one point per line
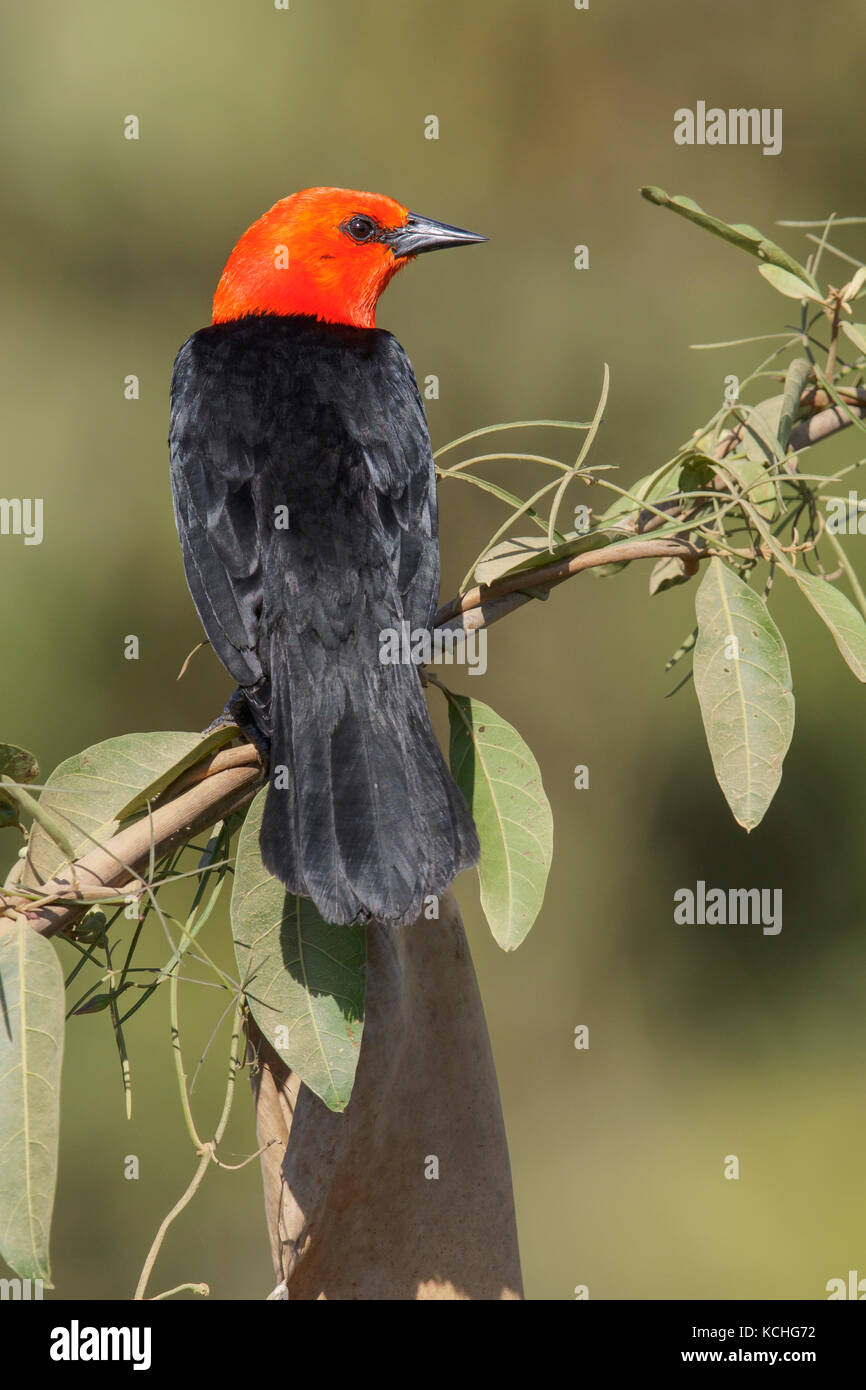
360 228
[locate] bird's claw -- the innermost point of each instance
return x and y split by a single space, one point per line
237 711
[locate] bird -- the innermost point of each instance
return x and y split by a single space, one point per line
304 495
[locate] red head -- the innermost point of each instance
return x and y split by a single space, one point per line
328 252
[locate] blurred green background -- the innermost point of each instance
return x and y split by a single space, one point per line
704 1041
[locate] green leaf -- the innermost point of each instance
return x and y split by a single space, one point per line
652 487
525 553
91 927
99 1002
691 470
844 621
738 342
91 793
667 574
857 333
791 286
20 766
17 763
798 373
195 748
605 571
855 285
511 554
743 683
682 650
740 234
841 617
761 430
501 782
759 487
299 973
31 1051
697 471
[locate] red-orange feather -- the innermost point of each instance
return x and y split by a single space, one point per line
296 260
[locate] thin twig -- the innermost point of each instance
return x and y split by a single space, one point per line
207 1155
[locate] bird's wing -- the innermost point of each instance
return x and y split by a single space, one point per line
228 430
401 467
213 475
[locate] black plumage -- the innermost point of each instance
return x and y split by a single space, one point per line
305 500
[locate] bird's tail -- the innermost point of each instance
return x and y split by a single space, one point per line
362 814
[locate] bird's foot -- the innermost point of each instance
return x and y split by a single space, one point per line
238 712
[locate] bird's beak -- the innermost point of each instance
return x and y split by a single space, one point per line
422 234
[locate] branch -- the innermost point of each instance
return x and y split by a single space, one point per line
827 422
482 606
486 604
212 790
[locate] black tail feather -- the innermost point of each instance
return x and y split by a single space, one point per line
362 814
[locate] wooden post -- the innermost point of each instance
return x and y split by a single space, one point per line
407 1194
